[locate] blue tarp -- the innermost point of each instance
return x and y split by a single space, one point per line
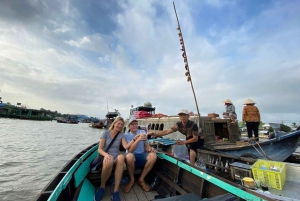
2 104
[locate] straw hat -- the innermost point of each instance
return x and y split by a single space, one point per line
227 101
249 102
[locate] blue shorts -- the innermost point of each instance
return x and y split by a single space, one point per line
140 160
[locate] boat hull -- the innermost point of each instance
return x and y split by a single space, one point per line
278 149
169 177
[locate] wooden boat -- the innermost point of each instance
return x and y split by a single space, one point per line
170 177
66 121
222 136
289 190
110 117
99 124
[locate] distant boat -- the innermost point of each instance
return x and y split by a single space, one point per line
98 124
110 117
66 120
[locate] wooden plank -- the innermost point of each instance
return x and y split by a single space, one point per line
173 185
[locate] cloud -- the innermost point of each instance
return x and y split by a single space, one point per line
76 57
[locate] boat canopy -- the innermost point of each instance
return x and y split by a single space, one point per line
112 114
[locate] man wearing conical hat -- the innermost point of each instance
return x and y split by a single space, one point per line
251 116
230 111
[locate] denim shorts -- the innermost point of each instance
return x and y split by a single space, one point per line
140 159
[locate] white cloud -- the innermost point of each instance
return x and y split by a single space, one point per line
62 62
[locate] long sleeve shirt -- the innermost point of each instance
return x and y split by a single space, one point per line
251 113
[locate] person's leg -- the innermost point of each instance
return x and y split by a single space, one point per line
119 171
232 117
192 156
106 172
193 149
129 159
151 159
249 129
145 161
225 116
255 129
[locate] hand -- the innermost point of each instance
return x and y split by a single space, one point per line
151 149
150 133
142 137
179 142
107 157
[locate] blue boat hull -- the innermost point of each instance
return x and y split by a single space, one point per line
277 149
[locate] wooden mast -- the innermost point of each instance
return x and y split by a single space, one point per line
184 55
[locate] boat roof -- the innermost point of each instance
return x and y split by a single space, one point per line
144 108
111 114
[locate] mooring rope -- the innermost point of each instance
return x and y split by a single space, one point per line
264 153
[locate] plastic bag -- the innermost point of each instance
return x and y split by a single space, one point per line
180 151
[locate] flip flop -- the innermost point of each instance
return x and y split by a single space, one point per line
128 187
144 186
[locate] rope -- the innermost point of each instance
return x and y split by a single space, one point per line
264 153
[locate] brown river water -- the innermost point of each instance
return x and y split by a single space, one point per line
32 153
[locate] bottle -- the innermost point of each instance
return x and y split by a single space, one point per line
217 163
154 183
226 166
200 163
222 166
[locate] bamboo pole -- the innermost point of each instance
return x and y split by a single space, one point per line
184 55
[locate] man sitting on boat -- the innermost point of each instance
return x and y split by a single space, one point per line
194 138
139 154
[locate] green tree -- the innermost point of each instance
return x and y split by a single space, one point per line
285 128
294 125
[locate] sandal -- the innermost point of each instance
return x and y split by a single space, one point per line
144 186
128 187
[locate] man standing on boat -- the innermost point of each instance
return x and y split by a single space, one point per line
194 138
139 154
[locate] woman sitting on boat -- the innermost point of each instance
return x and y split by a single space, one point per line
194 138
112 157
230 111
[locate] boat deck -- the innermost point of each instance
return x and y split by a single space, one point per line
136 194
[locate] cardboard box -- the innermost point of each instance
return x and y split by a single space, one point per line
213 115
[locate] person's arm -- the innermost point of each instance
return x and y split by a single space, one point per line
161 133
102 152
126 144
232 109
193 139
139 137
258 114
244 115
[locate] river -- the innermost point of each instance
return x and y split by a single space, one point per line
32 153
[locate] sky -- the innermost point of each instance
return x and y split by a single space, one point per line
88 57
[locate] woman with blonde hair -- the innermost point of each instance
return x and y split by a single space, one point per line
230 111
112 157
251 116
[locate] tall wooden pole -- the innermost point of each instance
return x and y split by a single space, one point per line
184 55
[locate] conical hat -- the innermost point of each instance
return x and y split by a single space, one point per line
249 101
227 101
